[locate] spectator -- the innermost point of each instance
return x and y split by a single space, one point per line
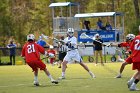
87 24
12 48
98 48
41 42
108 26
100 24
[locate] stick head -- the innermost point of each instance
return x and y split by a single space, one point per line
84 36
44 36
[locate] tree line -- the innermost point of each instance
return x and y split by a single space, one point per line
21 17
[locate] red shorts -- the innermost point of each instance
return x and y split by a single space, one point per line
128 60
136 65
52 60
37 64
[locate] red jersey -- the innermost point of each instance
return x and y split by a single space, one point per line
135 48
31 51
51 51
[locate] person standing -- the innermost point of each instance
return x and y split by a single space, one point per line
31 53
12 48
41 42
62 51
97 44
134 58
72 53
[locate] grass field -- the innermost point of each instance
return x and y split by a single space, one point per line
19 79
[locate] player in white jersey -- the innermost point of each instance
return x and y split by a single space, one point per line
72 53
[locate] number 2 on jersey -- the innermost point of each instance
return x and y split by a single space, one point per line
137 45
31 48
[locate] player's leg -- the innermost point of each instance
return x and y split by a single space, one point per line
136 65
79 59
121 69
87 69
64 66
60 62
42 66
36 82
136 80
67 59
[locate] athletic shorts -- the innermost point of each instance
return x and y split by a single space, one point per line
62 55
128 60
74 56
136 65
37 64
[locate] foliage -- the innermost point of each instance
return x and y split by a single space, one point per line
21 17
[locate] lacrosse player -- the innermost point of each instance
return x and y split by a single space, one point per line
51 54
31 53
135 59
72 53
129 39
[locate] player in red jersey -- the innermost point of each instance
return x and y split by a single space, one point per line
135 59
129 39
51 54
31 53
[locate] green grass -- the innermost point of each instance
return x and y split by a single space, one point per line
19 79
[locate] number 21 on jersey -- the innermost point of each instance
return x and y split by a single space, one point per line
31 48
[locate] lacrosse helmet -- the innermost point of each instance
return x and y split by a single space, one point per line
30 37
70 31
51 47
130 37
97 36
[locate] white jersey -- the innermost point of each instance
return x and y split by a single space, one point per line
73 41
72 52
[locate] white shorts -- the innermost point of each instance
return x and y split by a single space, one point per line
73 56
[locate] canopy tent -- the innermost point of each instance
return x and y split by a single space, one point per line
100 14
62 4
105 14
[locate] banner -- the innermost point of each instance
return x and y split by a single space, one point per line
106 36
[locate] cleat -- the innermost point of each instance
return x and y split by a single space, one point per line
62 77
92 75
55 82
133 88
129 84
59 67
118 76
36 83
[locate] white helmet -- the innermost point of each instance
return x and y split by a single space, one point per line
130 37
30 37
97 36
70 31
51 47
